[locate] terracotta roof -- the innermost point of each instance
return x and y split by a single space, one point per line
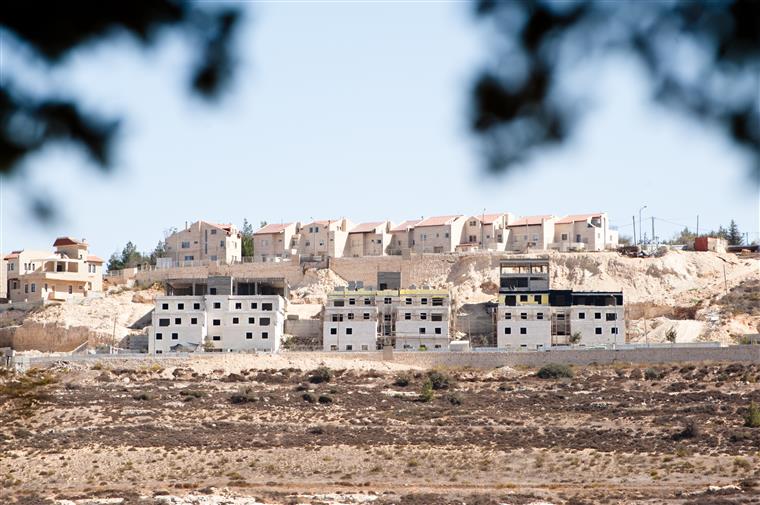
410 223
67 241
488 218
94 259
572 218
531 220
272 228
367 227
437 221
13 255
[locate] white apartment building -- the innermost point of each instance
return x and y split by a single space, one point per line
407 319
584 232
530 316
204 241
219 314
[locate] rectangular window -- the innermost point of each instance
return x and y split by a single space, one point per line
537 298
264 335
333 347
367 301
238 305
34 287
508 315
180 306
175 336
251 320
235 320
216 338
598 331
339 303
423 316
437 302
507 331
366 315
349 331
387 301
333 331
365 347
422 331
597 315
189 258
159 336
193 320
387 317
349 347
438 331
217 305
196 306
523 331
523 298
221 244
611 316
26 288
264 321
350 316
213 232
564 236
185 245
177 320
407 316
352 301
71 289
212 291
614 330
266 306
408 301
423 301
254 305
217 322
436 317
581 315
523 315
248 335
164 322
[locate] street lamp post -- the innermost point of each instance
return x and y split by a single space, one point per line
640 234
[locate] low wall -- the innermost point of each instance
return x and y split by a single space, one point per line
304 328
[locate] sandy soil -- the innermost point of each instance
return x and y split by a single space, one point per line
200 433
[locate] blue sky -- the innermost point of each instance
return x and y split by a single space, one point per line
357 110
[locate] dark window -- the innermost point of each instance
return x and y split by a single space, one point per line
248 335
408 301
333 331
422 331
597 315
217 305
264 321
611 316
423 316
436 317
251 320
177 320
350 316
216 338
235 320
193 320
366 315
367 301
159 336
180 306
264 335
212 291
598 331
613 330
349 347
175 336
507 331
437 331
387 317
196 306
387 301
339 303
523 315
407 315
217 322
349 331
539 315
423 301
266 306
537 298
510 300
165 306
523 298
238 305
164 322
508 315
523 331
438 302
581 315
352 301
254 305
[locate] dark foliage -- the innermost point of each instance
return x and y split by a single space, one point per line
439 380
516 105
320 375
555 371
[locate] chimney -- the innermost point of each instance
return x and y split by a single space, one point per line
186 225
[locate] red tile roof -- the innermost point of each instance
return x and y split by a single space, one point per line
531 220
13 255
272 228
67 241
410 223
437 221
488 218
94 259
367 227
572 218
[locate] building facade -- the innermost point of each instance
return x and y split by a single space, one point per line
324 239
66 273
531 316
583 232
487 232
439 234
204 241
402 237
369 239
406 319
219 315
275 241
531 233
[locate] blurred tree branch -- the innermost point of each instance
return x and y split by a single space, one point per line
516 107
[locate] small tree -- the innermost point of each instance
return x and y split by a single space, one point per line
575 338
426 393
246 244
752 420
734 235
671 335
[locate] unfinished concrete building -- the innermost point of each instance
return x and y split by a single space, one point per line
219 314
407 319
531 316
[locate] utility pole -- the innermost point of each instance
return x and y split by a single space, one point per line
653 229
697 225
641 230
635 242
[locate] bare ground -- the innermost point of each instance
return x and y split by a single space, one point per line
189 434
